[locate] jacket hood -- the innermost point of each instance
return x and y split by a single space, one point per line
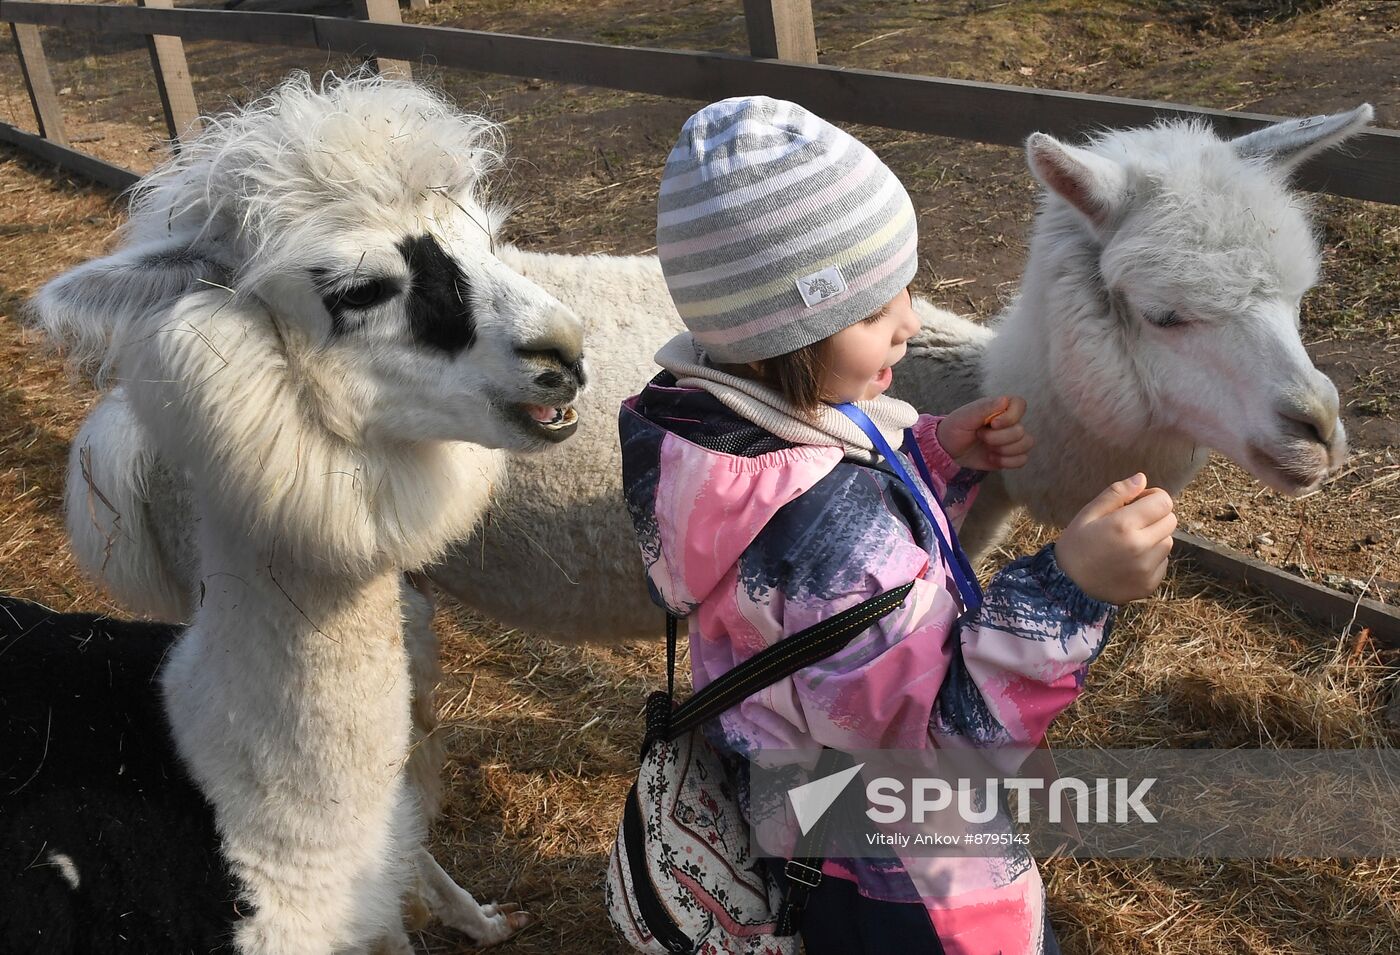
701 482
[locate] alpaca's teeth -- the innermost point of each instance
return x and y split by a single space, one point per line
553 417
563 417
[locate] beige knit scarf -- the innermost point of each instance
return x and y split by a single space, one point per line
768 409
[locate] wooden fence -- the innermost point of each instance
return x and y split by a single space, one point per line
783 64
985 112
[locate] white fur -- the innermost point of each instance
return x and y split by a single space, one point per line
1169 217
112 468
320 464
67 869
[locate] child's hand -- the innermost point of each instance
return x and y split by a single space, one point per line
987 434
1116 547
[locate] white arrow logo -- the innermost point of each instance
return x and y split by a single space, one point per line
812 799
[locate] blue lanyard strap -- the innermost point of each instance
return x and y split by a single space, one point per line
968 586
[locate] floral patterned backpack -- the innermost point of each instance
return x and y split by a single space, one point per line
682 876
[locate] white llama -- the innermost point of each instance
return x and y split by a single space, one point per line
1158 319
332 332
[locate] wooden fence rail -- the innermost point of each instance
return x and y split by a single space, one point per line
985 112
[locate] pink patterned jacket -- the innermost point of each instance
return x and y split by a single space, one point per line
754 538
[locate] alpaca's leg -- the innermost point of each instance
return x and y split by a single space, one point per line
429 752
434 893
454 906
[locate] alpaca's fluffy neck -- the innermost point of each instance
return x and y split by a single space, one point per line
317 654
288 698
1063 348
286 636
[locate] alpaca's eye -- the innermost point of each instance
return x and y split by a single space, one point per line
1166 319
363 295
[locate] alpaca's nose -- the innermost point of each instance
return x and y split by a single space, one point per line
562 340
568 364
562 349
1313 417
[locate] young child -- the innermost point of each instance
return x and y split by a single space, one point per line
760 509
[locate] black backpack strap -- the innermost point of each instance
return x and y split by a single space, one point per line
671 654
771 664
804 869
662 703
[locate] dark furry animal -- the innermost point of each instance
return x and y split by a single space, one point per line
106 845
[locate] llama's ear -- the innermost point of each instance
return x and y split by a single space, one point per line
1092 184
1289 143
81 310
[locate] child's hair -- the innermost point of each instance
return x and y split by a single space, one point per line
796 375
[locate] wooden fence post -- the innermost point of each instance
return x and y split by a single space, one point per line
417 4
384 11
173 81
781 30
47 111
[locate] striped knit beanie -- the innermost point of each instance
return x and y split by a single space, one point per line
775 229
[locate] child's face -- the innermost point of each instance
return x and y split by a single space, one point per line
860 356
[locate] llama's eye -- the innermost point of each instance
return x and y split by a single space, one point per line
362 295
1166 319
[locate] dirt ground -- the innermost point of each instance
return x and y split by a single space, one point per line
542 737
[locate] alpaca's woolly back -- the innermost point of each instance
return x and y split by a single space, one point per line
114 474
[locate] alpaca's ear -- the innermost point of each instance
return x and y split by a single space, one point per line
1092 184
1289 143
83 309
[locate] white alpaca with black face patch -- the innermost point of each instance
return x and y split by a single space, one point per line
309 326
